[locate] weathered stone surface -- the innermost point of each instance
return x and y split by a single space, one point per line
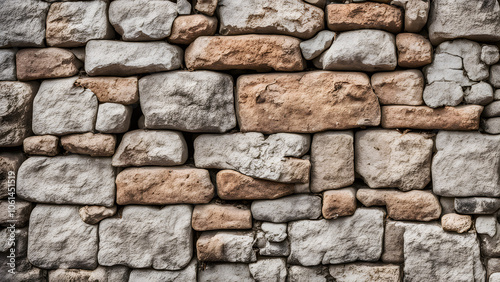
232 185
274 232
315 46
217 216
18 213
269 269
470 52
9 165
58 238
477 205
121 90
95 145
492 125
15 111
142 20
114 273
46 145
412 205
414 50
332 160
492 266
200 101
286 209
163 186
298 273
152 147
72 179
456 222
227 246
272 249
113 118
443 93
343 17
230 271
183 7
446 67
479 94
187 274
486 224
166 238
416 13
72 24
305 102
490 246
490 54
288 17
466 164
492 110
339 203
495 75
399 87
44 63
8 64
447 205
393 242
273 158
107 57
94 214
20 238
186 29
206 7
365 272
23 23
352 50
388 158
420 117
24 271
475 20
343 240
61 108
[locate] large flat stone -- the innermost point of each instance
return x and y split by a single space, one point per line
95 145
188 274
226 246
114 273
41 63
286 209
365 272
305 102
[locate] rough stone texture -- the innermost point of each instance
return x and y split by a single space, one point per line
343 240
364 15
490 246
206 7
187 274
94 214
44 63
152 147
470 52
495 75
492 110
412 205
315 46
286 209
142 20
456 222
253 52
163 186
288 17
446 67
443 93
421 117
447 205
388 158
486 224
298 273
365 272
183 7
399 87
305 102
216 216
8 64
230 271
46 145
493 265
9 162
187 28
352 50
73 24
466 164
339 203
15 111
200 101
490 54
23 23
227 246
475 20
107 57
61 108
269 269
274 232
273 158
165 235
113 118
121 90
113 273
414 50
281 249
393 242
479 94
58 238
95 145
72 179
416 13
492 125
477 205
18 213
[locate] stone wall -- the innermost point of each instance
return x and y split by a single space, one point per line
257 140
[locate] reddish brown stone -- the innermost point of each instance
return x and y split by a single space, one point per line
414 50
399 87
95 145
46 145
340 202
44 63
121 90
216 216
187 28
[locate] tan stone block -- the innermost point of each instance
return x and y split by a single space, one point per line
46 145
414 50
187 28
340 202
44 63
94 214
456 222
217 216
95 145
399 87
206 6
121 90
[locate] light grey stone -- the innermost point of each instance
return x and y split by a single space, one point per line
271 158
142 20
495 75
479 94
108 57
315 46
9 165
388 158
147 236
475 20
446 67
416 13
79 53
288 17
496 95
200 101
17 212
272 249
477 205
490 54
297 273
269 269
295 207
443 93
23 23
226 246
314 242
365 272
353 50
492 125
494 277
232 272
8 64
58 238
113 118
466 164
470 52
152 147
114 273
486 224
183 7
188 274
15 111
274 232
492 110
490 246
492 265
61 108
73 179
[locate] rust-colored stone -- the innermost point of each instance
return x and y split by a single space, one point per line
340 202
121 90
95 145
44 63
414 50
187 28
217 216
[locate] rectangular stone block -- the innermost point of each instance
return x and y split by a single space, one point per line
226 246
121 90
